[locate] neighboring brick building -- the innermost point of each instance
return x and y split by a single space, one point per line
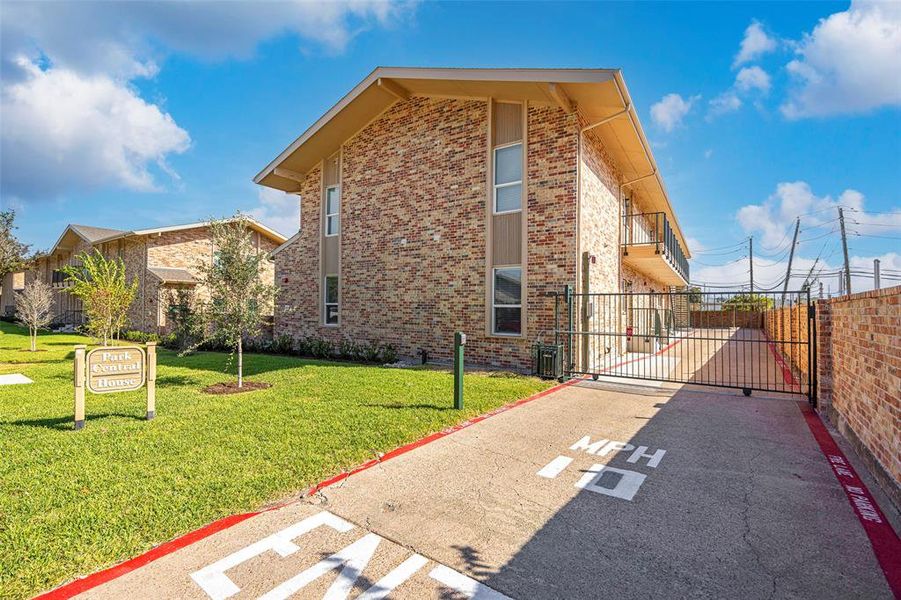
162 259
436 200
12 284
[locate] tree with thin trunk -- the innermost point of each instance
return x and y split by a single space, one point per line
12 251
239 298
34 306
105 292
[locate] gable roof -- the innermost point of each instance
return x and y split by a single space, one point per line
92 234
285 244
99 235
599 95
172 275
253 223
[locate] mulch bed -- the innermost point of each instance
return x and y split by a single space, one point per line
231 387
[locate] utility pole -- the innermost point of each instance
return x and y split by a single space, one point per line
791 256
876 273
841 221
751 260
821 290
807 281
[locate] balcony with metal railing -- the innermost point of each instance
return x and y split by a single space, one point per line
651 246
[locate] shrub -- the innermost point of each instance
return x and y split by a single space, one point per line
283 344
140 337
320 348
348 350
389 354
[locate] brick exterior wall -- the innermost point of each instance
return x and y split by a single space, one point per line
414 233
859 377
175 249
414 194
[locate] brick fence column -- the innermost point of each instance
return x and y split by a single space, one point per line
824 355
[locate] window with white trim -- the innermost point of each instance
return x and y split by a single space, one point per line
508 178
507 301
332 208
330 304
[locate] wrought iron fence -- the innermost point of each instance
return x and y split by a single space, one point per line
730 339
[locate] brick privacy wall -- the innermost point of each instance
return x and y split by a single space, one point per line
413 244
721 319
859 376
787 328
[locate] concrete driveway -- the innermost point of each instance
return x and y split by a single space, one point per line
588 492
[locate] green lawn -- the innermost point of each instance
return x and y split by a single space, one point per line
74 502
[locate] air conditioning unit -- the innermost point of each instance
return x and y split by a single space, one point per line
547 360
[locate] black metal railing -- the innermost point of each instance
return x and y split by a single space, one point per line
646 229
762 341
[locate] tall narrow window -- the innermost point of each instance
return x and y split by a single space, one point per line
507 306
331 300
508 178
332 208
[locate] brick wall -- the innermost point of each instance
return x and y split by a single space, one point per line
859 376
413 240
787 327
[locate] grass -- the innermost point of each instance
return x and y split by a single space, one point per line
74 502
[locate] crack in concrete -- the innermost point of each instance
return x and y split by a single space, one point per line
746 522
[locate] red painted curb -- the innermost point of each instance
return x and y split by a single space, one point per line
93 580
883 538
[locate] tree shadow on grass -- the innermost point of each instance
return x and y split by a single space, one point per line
67 423
418 406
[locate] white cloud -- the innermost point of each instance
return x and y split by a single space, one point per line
725 103
669 112
849 63
773 218
278 210
753 78
72 119
755 43
60 129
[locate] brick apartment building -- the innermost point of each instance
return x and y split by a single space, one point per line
162 259
436 200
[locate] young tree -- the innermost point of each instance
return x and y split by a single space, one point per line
187 325
12 252
33 308
239 296
104 291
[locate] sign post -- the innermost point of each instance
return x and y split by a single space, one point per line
459 344
114 369
151 380
79 386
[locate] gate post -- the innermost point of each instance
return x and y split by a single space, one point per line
568 296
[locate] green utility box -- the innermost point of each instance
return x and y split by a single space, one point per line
547 360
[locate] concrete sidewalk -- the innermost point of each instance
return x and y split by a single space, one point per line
584 493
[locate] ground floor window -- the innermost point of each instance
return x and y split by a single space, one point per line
507 301
331 300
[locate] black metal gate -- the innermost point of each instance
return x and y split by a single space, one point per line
762 341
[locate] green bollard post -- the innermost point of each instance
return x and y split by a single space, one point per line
459 343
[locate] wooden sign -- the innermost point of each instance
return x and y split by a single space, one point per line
116 369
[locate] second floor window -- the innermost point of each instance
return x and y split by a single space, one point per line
332 208
508 178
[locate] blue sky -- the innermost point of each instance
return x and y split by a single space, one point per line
132 115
